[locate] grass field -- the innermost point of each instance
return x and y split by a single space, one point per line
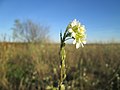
36 67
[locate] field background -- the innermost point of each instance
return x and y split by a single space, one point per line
36 66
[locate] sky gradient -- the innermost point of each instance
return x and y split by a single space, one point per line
101 17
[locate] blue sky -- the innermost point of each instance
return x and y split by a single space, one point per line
101 17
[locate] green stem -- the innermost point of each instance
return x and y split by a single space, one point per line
62 67
62 58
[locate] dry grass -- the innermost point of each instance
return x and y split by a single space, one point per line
31 66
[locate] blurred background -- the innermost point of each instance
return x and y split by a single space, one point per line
29 44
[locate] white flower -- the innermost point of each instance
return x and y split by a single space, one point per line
72 32
79 43
82 29
75 23
77 32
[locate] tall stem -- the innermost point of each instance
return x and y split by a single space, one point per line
62 58
62 67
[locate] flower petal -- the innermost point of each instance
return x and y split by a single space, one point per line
73 34
74 22
74 41
82 27
84 42
77 45
70 30
82 45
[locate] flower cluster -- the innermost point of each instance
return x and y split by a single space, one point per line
77 32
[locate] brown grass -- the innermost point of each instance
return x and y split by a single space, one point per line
30 66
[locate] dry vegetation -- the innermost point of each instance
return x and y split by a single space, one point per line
36 67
